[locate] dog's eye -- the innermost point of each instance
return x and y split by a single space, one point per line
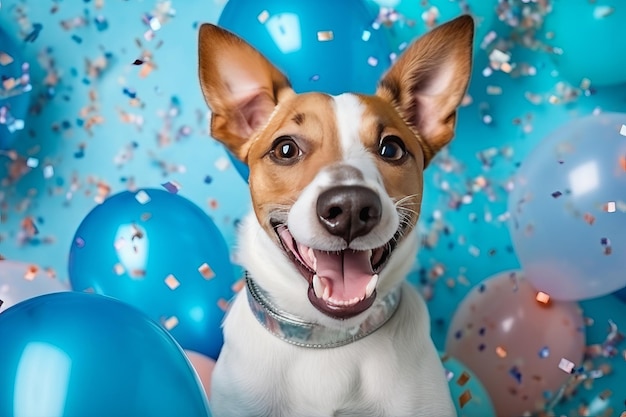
392 148
285 150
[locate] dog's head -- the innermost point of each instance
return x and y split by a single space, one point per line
336 181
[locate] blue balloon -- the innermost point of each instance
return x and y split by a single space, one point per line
14 95
74 354
324 45
590 47
162 254
567 210
468 394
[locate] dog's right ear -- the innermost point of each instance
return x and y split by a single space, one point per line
240 86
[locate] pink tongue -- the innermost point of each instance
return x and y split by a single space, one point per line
348 271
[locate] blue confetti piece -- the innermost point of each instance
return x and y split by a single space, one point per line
516 374
77 39
482 331
482 288
101 23
544 352
481 347
458 334
208 179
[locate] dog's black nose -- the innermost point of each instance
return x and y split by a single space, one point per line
349 211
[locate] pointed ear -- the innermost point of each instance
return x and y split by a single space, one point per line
428 81
240 86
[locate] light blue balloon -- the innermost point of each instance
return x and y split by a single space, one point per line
468 394
568 210
14 101
162 254
591 37
324 45
74 354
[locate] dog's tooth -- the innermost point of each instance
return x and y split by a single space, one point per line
313 258
371 286
326 294
318 287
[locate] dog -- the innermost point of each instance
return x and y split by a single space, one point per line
327 324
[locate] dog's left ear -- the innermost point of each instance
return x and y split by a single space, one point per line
428 81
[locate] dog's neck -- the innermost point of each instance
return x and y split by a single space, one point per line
295 330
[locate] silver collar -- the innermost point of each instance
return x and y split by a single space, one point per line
296 331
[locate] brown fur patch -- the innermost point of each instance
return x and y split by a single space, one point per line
273 185
400 180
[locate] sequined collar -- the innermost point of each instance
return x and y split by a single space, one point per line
298 332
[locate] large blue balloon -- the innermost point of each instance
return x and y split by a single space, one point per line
14 90
74 354
591 37
161 253
323 45
568 210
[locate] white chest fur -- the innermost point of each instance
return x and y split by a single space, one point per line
386 374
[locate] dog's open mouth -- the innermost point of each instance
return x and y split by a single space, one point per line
341 284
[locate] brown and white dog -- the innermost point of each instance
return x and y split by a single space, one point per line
327 325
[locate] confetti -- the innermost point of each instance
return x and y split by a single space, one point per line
622 130
171 186
463 378
172 282
516 374
566 365
171 322
544 352
464 398
206 271
542 297
501 352
142 197
263 16
325 35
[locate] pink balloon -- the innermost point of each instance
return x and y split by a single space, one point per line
515 343
20 281
204 368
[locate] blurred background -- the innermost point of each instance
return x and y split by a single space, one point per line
105 157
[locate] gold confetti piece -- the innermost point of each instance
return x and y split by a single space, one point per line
119 269
464 398
589 218
223 304
170 323
463 379
206 271
5 59
325 35
31 272
604 395
501 352
239 285
542 297
263 17
142 197
172 282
